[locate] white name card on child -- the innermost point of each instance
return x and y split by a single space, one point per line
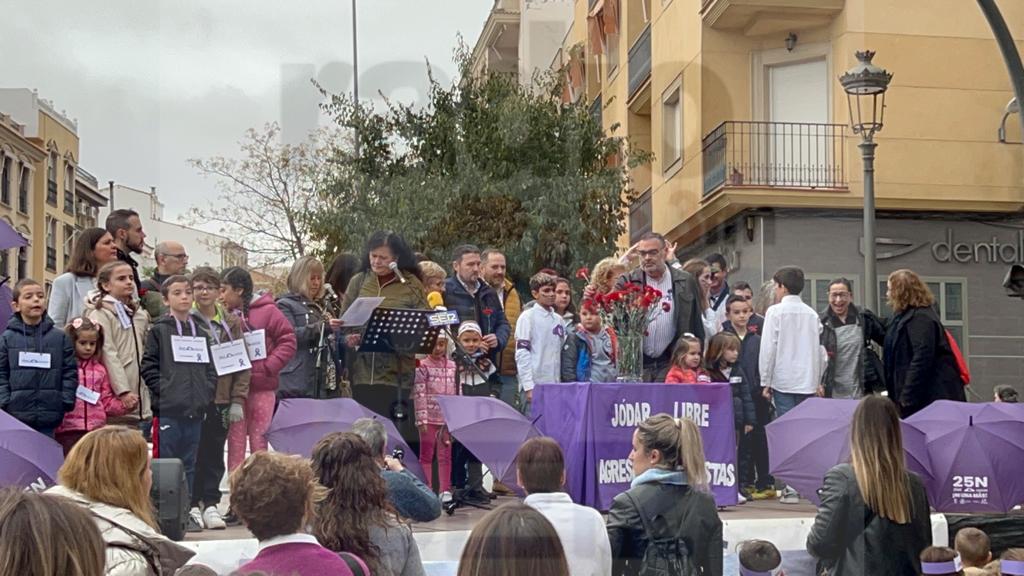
34 360
256 344
230 357
87 395
190 349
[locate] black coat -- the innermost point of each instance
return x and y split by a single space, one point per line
692 514
919 363
37 397
300 377
872 329
471 308
854 541
177 389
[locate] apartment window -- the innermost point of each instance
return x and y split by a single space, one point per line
51 180
640 217
69 241
5 263
22 262
26 176
672 127
69 189
611 49
5 181
51 243
950 304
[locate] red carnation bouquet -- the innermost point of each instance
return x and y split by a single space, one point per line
629 310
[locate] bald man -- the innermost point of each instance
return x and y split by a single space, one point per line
171 259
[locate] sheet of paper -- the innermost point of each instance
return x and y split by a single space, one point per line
360 310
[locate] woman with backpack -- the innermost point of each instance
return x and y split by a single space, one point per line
667 522
921 364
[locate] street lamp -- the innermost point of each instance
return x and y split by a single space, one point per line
865 85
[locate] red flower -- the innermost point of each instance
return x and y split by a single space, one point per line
752 328
143 292
665 306
583 274
488 311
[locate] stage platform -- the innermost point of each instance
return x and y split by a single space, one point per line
441 541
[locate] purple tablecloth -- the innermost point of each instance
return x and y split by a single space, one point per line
594 424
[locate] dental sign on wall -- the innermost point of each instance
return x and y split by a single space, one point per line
997 250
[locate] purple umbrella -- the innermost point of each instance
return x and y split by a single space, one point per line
977 455
489 428
301 422
27 458
815 436
10 238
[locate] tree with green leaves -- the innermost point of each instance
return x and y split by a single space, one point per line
485 161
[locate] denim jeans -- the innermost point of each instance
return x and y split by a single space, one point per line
785 401
510 390
179 438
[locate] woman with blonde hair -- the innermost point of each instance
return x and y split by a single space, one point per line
604 275
873 518
920 366
43 535
670 482
311 372
108 473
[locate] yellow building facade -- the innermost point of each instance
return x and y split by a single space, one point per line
740 103
19 158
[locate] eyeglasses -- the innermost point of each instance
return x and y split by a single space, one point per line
205 289
183 256
838 295
649 253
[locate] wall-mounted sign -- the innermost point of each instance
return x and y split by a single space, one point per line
996 251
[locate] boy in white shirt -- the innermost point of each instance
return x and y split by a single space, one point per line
792 358
540 332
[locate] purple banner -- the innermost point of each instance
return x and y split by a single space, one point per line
594 424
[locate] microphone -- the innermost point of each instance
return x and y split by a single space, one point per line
394 268
329 292
435 301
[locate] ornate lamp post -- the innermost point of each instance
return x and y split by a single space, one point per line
865 85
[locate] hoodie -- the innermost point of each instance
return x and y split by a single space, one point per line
38 397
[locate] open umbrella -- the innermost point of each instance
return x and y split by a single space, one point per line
301 422
976 453
815 436
10 238
489 428
27 458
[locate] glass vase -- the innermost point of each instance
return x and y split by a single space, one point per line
630 358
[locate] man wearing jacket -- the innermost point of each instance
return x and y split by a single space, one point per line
494 273
126 228
846 330
680 304
171 259
476 301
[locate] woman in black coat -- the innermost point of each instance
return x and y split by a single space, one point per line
671 490
873 518
919 364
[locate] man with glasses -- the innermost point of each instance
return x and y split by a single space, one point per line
680 304
171 259
853 369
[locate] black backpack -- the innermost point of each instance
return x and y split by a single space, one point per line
666 554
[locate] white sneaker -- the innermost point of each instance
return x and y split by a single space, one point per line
789 496
212 519
445 497
195 520
740 499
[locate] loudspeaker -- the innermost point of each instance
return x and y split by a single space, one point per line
170 497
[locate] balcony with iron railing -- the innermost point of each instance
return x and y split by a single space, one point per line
775 155
640 61
640 217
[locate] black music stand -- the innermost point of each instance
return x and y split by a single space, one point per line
399 331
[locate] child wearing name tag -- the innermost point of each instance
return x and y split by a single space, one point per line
38 373
722 365
222 330
112 307
95 398
271 342
179 373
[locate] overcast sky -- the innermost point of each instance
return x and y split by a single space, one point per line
153 84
